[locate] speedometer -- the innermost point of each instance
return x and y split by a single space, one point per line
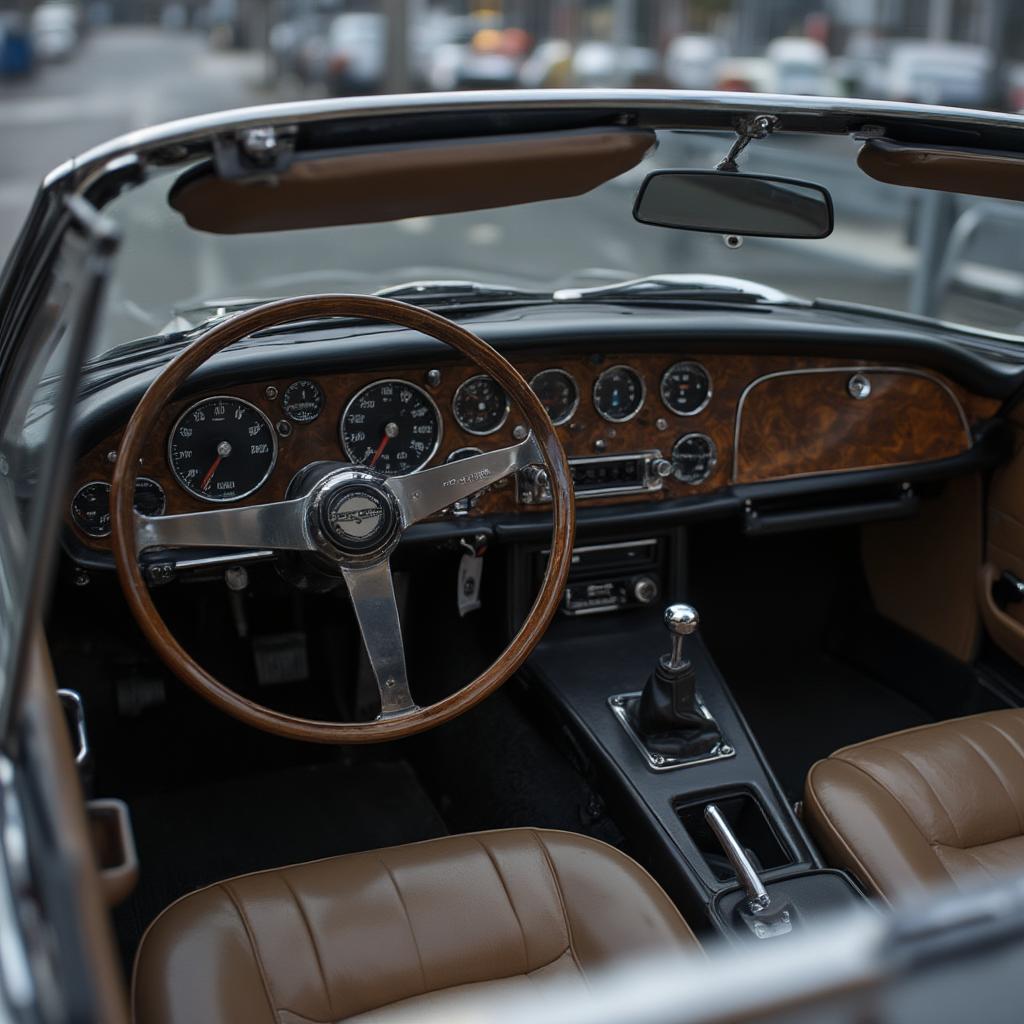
222 449
391 426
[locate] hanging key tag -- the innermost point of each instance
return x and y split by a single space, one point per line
471 568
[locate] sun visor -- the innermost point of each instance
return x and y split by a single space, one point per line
366 185
973 172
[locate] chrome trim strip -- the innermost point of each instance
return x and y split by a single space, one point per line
234 497
232 559
868 370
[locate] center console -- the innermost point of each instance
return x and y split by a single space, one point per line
680 768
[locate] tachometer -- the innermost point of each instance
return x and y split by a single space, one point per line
558 393
480 405
619 394
222 449
392 426
686 388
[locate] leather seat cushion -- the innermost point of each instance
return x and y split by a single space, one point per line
376 936
937 805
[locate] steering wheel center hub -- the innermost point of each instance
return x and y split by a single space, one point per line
357 517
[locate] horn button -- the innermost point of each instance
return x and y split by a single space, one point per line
355 514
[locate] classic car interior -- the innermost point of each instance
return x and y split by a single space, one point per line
437 640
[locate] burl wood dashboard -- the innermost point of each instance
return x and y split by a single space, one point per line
768 417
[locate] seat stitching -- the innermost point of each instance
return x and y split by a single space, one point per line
561 903
408 921
999 776
508 896
244 917
312 938
931 789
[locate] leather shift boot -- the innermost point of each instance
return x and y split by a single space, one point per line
667 716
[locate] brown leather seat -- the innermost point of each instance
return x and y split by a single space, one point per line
938 805
376 936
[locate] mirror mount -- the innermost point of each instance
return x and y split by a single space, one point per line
748 129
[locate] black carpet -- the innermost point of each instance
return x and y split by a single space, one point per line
193 837
802 711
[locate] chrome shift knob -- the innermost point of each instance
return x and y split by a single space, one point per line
681 620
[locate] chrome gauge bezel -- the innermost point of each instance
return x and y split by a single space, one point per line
455 406
299 382
106 486
234 497
74 518
643 393
575 386
408 384
712 463
679 366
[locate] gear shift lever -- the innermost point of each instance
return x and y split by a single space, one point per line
668 717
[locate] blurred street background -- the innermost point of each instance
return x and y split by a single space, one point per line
73 74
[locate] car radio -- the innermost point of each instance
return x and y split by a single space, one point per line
598 475
613 576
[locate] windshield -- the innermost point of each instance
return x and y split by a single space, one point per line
970 273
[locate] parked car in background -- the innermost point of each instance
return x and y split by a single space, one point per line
356 53
693 61
800 66
55 30
951 74
863 67
17 58
602 63
549 66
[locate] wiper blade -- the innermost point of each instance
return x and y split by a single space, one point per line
717 287
424 292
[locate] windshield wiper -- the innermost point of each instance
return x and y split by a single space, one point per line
661 287
428 293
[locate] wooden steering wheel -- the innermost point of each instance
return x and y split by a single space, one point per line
347 519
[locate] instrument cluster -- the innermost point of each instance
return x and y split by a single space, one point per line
224 448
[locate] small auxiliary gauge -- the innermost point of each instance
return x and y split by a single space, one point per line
480 405
694 458
686 388
90 507
303 401
619 394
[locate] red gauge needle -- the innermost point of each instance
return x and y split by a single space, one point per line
390 431
223 450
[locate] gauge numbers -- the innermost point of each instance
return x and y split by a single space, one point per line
686 388
303 401
558 393
619 394
480 405
90 507
222 449
694 458
391 426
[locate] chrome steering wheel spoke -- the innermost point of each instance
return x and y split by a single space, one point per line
279 526
373 597
422 494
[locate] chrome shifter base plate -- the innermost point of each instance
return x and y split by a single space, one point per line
620 705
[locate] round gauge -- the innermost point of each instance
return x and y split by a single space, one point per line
90 507
150 499
222 449
619 394
462 453
480 405
303 401
686 388
694 458
391 426
558 393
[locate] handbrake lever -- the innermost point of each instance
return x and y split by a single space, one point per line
764 916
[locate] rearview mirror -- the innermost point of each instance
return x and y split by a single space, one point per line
729 203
